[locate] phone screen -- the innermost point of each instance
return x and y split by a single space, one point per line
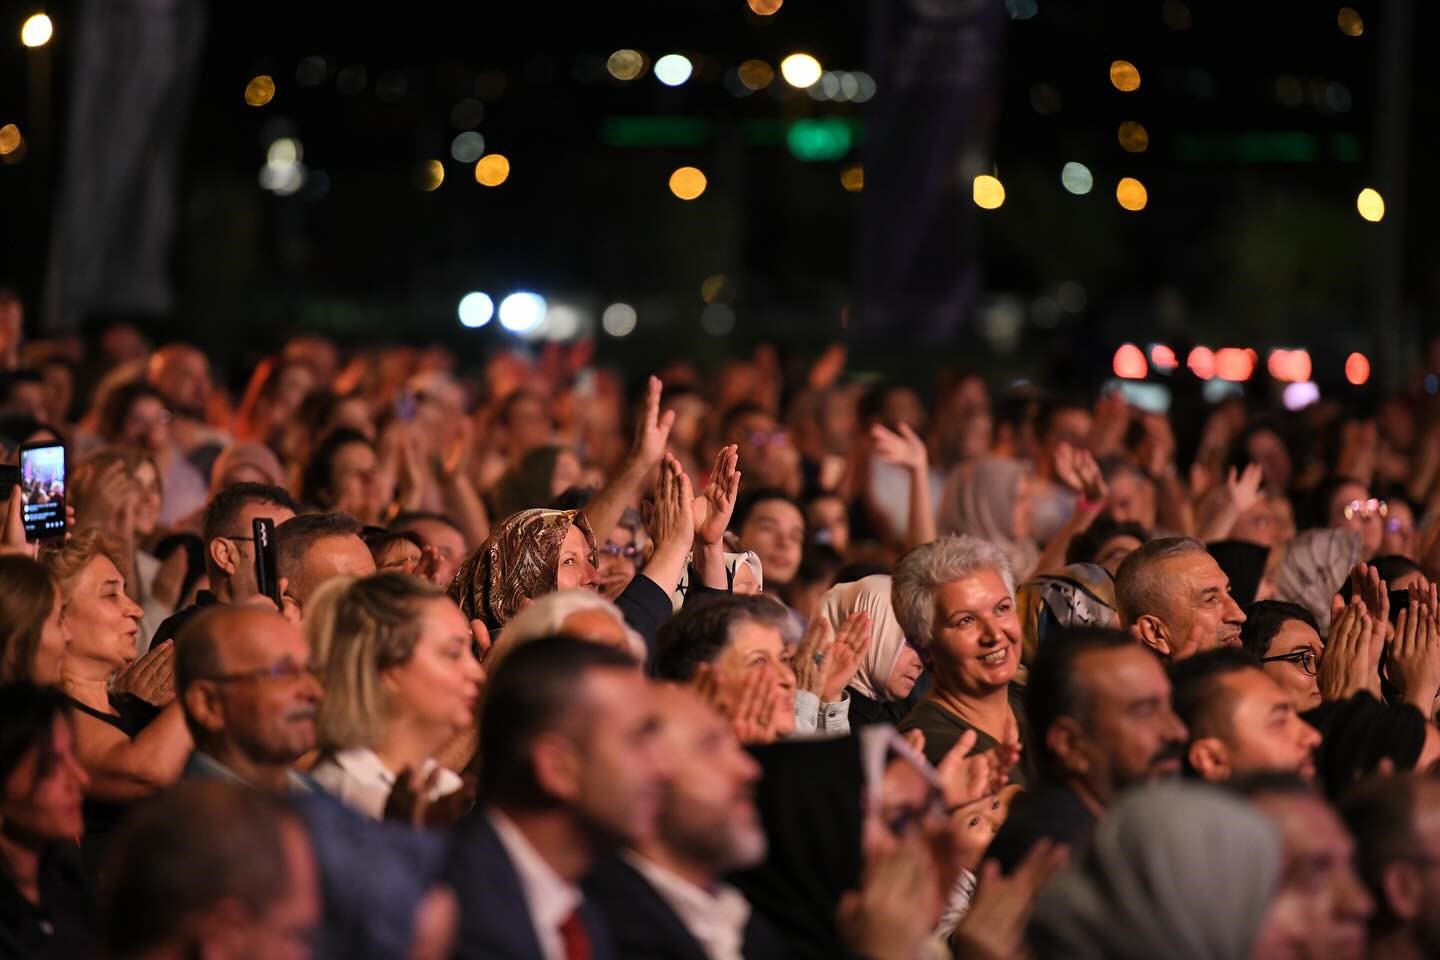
42 490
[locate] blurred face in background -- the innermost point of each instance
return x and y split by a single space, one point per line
147 498
828 521
619 561
1132 499
767 452
146 425
1352 508
1267 449
775 530
1400 538
355 482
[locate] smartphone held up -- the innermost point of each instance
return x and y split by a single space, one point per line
43 490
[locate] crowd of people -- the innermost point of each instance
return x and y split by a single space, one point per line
764 661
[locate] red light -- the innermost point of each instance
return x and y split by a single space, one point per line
1201 362
1163 358
1357 369
1234 364
1289 366
1130 362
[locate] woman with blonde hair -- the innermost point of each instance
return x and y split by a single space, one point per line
401 680
33 634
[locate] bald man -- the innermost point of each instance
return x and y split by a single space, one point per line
244 679
315 548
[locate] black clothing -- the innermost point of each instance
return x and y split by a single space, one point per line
171 625
62 925
103 816
1051 811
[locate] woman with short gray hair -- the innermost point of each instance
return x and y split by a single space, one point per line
955 600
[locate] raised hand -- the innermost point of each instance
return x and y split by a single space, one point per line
904 449
1348 665
1366 584
812 658
1078 470
852 641
994 929
652 433
716 503
750 709
152 677
673 522
1414 661
1244 487
896 907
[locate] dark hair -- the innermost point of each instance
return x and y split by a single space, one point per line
319 469
818 564
527 483
701 631
1264 620
1280 783
296 536
859 570
378 540
1359 733
514 399
1140 587
1380 813
1085 547
27 721
535 688
1391 567
750 501
1197 685
574 498
1320 500
27 595
110 418
735 413
225 507
169 862
1054 689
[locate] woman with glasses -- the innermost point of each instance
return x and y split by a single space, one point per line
623 553
1285 638
1348 505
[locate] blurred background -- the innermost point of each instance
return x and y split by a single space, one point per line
1048 190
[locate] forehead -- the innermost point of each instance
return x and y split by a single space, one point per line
258 637
100 569
751 635
1123 674
443 612
686 717
354 453
982 588
1347 492
775 511
1197 567
617 697
622 536
1253 688
1307 823
344 554
1294 634
575 541
1123 541
250 511
436 532
594 625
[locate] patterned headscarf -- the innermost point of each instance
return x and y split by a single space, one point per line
519 562
1314 567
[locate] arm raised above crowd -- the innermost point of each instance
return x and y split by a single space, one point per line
651 435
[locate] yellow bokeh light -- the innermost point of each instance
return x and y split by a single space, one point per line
755 74
626 64
260 90
492 169
10 139
431 175
800 70
1371 205
1125 76
766 8
1134 137
1351 23
714 288
853 179
687 183
37 30
1131 194
989 193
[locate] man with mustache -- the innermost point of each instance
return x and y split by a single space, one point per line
243 676
1176 600
1099 705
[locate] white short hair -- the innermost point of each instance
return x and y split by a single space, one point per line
546 615
924 570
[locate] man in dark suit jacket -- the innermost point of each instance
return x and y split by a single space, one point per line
663 898
570 768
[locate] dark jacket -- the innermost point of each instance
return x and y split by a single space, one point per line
171 625
645 928
1050 811
495 921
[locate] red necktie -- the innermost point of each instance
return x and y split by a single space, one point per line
576 940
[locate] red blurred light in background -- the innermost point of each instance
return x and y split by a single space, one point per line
1201 362
1357 369
1290 366
1163 358
1130 362
1234 364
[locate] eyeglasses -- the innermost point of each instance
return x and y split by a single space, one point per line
769 438
615 550
1305 658
286 669
1396 525
1365 509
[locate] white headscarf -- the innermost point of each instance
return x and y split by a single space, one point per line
870 595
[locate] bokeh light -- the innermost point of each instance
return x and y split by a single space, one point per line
37 30
626 64
1163 358
718 319
1371 205
1076 178
467 147
1201 362
1234 364
1134 138
1350 21
1357 369
619 320
492 170
1299 395
1130 363
765 8
522 311
1124 76
800 70
260 90
10 139
989 192
1289 366
430 175
687 183
673 69
476 309
1131 194
853 178
715 288
755 74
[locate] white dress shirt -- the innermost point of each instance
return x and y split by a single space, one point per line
359 780
716 920
550 897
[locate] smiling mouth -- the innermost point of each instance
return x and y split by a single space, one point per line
995 657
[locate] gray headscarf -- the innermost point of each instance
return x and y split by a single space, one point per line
979 499
1314 567
1178 870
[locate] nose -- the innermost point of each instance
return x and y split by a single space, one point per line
312 689
589 576
1233 613
1175 727
749 769
1309 736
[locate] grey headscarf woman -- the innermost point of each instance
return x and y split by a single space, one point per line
982 499
1178 870
1314 567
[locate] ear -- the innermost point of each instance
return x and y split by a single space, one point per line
202 703
481 633
1209 758
1063 740
556 762
1150 630
290 608
223 554
1401 886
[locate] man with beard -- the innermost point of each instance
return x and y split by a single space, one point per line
570 770
1396 823
1100 709
664 897
1240 720
243 676
1176 600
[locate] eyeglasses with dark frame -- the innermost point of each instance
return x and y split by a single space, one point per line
1305 658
